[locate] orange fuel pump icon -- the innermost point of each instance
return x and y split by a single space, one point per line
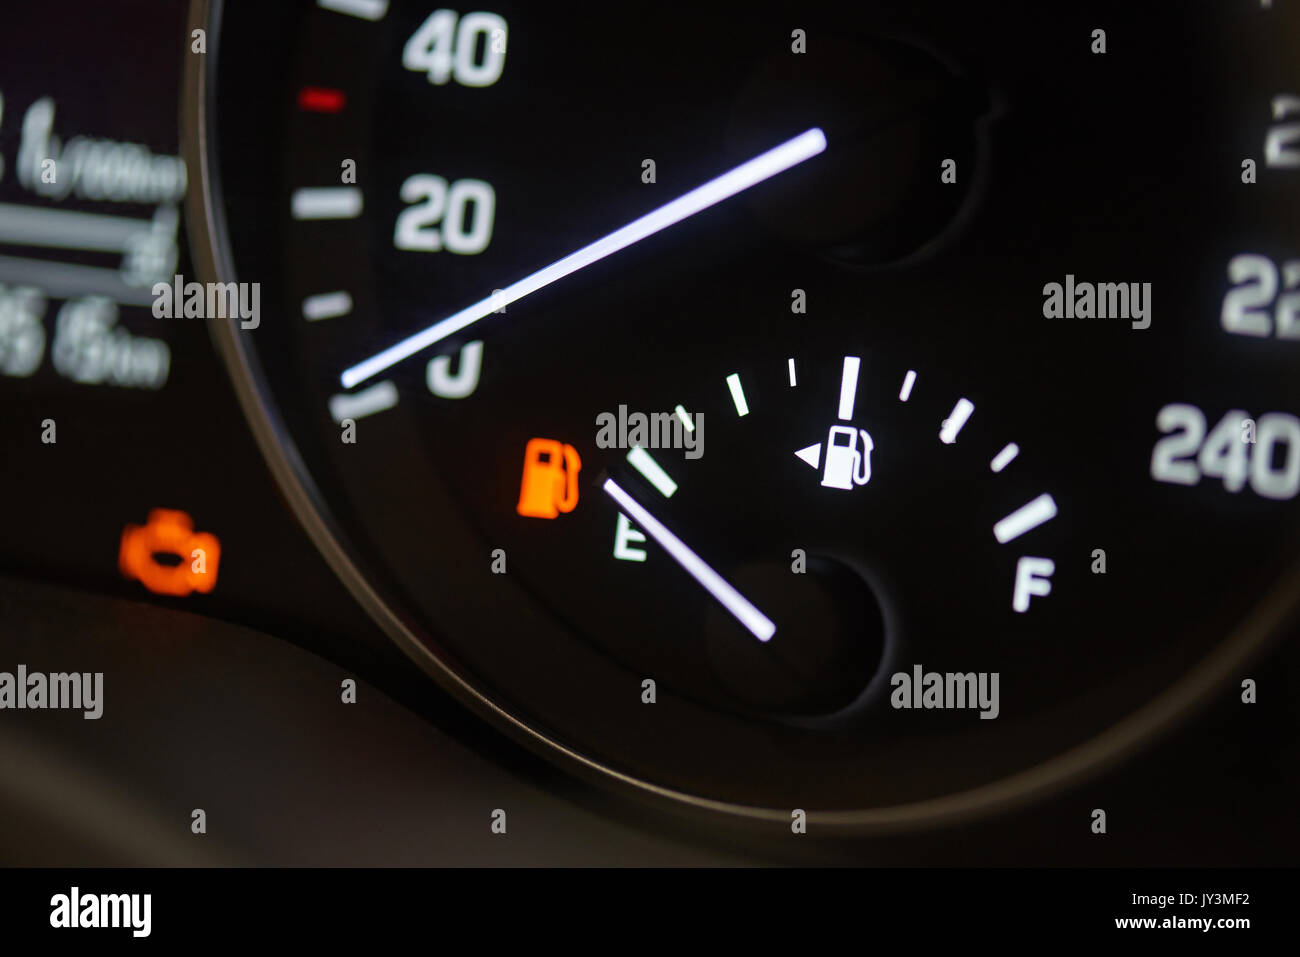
550 484
170 532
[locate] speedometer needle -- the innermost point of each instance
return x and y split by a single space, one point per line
714 584
750 173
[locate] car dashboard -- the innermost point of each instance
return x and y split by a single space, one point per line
358 360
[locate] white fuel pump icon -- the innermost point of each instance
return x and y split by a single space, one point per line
845 465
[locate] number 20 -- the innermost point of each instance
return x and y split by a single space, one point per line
466 209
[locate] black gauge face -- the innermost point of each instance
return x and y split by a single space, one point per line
922 430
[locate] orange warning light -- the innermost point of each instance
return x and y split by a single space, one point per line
550 484
170 532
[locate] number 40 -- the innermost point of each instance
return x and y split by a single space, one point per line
447 47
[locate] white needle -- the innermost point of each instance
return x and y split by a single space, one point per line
750 173
715 584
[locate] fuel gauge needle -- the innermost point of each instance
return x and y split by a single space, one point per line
762 627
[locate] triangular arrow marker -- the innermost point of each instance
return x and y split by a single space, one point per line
812 454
